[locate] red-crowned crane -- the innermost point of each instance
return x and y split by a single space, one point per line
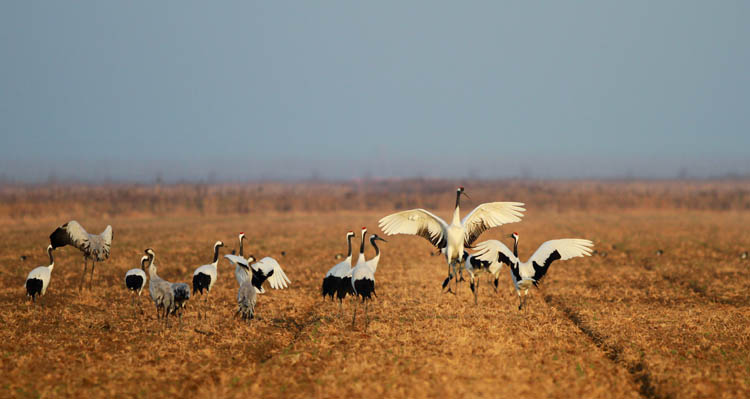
475 266
363 276
135 279
38 279
451 239
334 281
268 268
204 277
526 274
93 246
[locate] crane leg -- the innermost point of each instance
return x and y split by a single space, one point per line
520 301
83 276
476 289
455 275
91 280
355 314
367 321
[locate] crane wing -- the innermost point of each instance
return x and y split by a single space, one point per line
489 215
563 249
237 260
71 233
494 250
553 250
417 222
107 236
339 270
278 279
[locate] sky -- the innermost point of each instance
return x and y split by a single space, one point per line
232 91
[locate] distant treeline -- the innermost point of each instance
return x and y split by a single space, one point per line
23 201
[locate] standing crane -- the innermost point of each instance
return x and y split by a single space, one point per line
363 276
204 277
451 239
475 266
526 274
93 246
135 279
268 267
159 289
38 279
333 282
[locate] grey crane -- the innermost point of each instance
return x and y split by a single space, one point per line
160 290
94 246
247 297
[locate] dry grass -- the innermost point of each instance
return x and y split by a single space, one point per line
623 323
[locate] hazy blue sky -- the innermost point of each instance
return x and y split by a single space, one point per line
343 89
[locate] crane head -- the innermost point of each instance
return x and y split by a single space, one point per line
218 244
376 237
242 235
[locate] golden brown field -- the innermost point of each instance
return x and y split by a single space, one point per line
625 322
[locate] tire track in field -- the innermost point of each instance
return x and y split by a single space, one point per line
638 370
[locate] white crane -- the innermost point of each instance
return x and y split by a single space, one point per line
159 289
135 279
526 274
475 266
333 282
38 279
94 246
204 277
363 276
451 239
267 267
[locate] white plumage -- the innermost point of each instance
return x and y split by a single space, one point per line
363 275
240 273
452 239
93 246
526 274
337 280
268 267
204 277
38 279
475 266
135 279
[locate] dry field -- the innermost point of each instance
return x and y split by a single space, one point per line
625 322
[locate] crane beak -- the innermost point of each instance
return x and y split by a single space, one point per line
381 239
465 195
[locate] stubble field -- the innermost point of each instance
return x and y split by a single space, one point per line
625 322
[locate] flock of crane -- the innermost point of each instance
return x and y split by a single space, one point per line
343 279
168 297
452 240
